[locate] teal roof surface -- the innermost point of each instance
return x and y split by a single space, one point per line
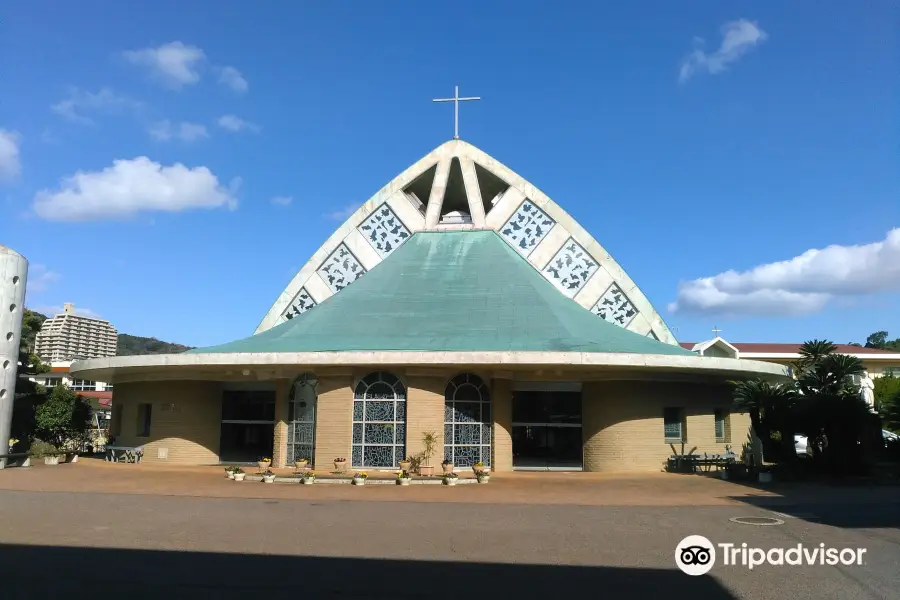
449 292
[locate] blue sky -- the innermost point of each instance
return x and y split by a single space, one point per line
689 138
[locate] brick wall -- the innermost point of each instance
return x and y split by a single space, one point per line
623 423
186 418
279 451
334 421
501 411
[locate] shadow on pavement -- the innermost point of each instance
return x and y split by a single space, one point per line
75 573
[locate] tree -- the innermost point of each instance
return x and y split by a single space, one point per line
877 340
64 416
28 395
770 408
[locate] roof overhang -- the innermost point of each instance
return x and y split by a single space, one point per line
866 356
274 365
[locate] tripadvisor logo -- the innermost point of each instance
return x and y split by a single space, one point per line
696 555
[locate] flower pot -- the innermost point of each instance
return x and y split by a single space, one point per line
268 479
405 465
308 480
484 478
359 481
264 464
301 464
340 466
403 481
447 468
765 477
229 474
239 476
426 470
477 470
450 480
51 460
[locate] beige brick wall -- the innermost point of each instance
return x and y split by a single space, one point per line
425 412
186 419
623 423
334 421
501 411
279 451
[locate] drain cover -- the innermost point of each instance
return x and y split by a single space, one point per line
756 521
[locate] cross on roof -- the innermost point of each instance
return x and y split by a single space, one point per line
717 331
455 100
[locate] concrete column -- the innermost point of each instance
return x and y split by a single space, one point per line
13 274
501 409
425 412
279 451
334 421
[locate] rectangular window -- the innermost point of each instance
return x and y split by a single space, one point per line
143 420
674 424
892 372
723 425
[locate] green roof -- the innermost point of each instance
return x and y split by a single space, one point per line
445 292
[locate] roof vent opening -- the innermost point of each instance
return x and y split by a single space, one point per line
455 198
456 217
492 187
419 190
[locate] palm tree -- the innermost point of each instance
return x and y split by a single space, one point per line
771 408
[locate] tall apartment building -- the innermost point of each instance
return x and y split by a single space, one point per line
68 336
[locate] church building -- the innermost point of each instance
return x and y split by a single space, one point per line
459 300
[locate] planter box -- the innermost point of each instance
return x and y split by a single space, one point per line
308 480
426 471
51 460
239 476
359 481
263 464
450 481
341 466
269 479
403 481
484 479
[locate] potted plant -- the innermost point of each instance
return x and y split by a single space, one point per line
403 478
478 467
447 466
308 478
264 463
406 464
359 478
301 463
482 476
47 451
229 472
239 474
340 465
268 476
450 478
429 442
12 443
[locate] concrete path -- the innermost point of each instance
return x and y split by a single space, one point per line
120 531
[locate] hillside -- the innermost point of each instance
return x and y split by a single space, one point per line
128 345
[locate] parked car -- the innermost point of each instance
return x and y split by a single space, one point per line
802 443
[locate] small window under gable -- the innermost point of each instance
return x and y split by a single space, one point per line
492 187
419 190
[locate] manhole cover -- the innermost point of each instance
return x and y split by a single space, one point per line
756 521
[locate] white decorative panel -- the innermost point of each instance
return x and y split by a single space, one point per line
570 269
301 303
384 230
341 269
650 334
526 227
615 307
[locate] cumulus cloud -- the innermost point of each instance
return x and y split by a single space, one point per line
10 165
78 102
184 131
40 278
282 200
232 78
738 37
175 64
342 214
132 186
236 124
801 285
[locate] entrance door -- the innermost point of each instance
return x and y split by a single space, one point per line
248 425
546 428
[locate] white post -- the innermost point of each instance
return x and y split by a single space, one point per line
13 274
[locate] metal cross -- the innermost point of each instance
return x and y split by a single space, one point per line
717 331
456 100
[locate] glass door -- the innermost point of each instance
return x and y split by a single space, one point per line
546 430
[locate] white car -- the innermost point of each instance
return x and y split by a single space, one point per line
802 444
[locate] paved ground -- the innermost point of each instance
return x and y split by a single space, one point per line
125 531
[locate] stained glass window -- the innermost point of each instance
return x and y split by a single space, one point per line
379 421
301 441
467 421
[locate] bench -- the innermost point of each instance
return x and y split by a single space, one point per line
17 459
706 462
127 454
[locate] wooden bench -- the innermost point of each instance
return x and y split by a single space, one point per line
17 459
127 454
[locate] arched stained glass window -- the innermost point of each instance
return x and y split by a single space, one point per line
379 421
467 421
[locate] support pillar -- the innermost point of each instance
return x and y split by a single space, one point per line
282 398
501 409
425 412
13 273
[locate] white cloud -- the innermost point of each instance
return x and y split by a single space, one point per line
738 37
184 131
10 164
175 64
40 278
282 200
231 77
78 102
801 285
132 186
53 310
342 214
235 123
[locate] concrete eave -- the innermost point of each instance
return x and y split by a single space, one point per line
215 366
